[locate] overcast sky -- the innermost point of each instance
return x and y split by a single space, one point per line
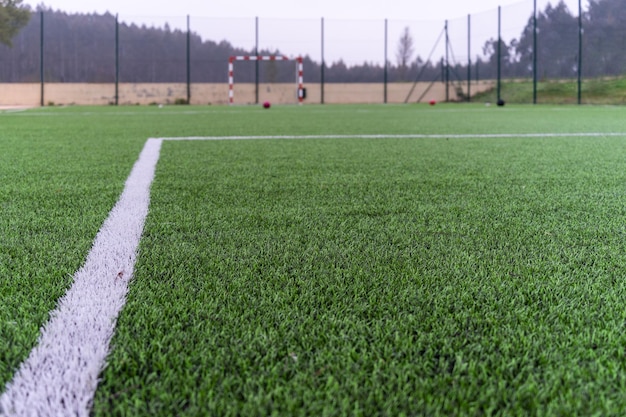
353 28
343 9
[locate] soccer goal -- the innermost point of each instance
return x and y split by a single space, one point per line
231 72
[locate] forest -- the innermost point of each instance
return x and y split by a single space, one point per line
83 48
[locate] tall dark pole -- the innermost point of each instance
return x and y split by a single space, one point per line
323 65
188 61
386 79
41 57
469 58
499 53
256 62
447 66
580 50
535 75
117 60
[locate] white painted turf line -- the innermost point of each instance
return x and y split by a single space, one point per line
408 136
59 378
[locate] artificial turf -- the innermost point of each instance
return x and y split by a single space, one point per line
344 276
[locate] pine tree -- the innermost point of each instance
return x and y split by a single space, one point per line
13 17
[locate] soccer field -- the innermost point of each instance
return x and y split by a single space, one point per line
318 260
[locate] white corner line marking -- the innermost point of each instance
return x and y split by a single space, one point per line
61 374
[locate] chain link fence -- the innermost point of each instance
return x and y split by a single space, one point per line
520 53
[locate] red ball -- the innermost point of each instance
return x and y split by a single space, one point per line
266 105
432 102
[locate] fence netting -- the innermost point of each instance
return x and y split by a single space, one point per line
516 53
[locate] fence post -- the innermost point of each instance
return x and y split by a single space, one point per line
385 76
41 58
447 67
580 50
256 61
469 58
117 60
499 64
188 62
535 52
322 67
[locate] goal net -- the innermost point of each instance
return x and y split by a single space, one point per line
299 89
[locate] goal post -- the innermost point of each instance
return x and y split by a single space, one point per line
234 58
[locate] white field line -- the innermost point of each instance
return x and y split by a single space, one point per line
408 136
59 377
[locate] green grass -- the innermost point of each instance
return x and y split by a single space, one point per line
337 276
593 91
55 190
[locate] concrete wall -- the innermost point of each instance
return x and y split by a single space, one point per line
29 94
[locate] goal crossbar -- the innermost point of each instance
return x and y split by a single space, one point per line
231 71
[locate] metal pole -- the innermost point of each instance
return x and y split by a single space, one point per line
535 75
188 61
580 50
41 58
117 60
323 65
499 53
256 62
469 58
386 66
447 67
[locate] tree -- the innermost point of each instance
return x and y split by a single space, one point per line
604 38
13 17
508 59
557 49
404 52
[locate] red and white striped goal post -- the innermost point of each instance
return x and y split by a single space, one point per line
231 71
